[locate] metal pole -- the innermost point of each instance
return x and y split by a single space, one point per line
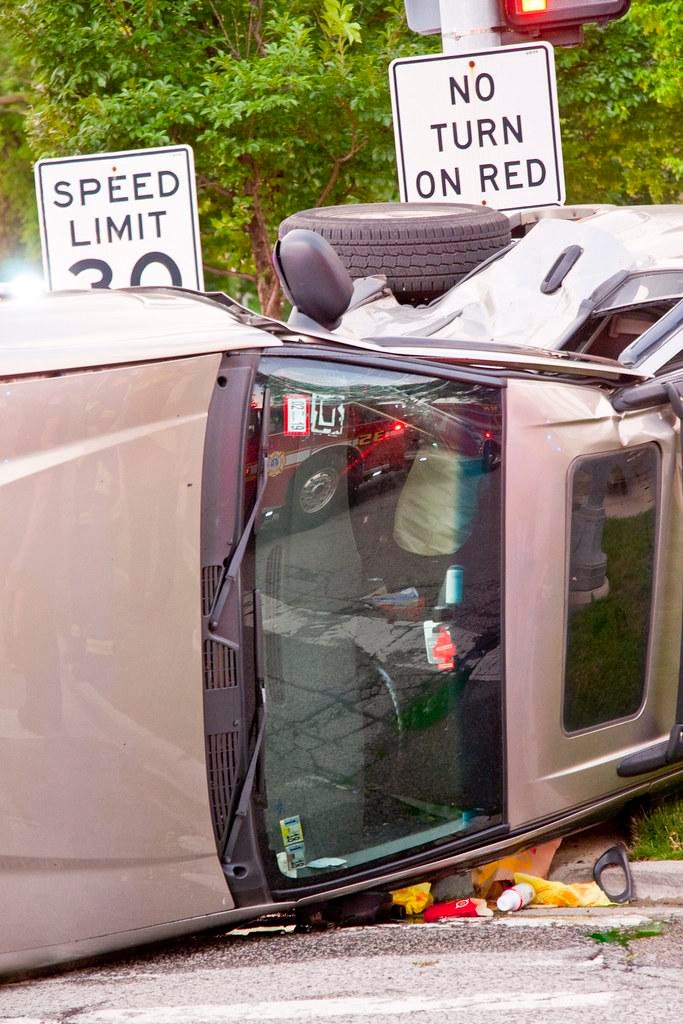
469 25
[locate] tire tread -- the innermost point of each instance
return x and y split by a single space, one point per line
422 255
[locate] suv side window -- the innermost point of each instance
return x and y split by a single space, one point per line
614 506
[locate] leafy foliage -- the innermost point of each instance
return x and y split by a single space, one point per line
625 936
286 105
18 229
621 101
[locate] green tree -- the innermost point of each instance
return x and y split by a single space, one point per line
621 102
284 102
286 105
18 228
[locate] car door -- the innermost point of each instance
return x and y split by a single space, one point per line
353 669
593 613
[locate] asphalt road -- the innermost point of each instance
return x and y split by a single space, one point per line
538 967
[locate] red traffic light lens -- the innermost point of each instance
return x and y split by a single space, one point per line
549 14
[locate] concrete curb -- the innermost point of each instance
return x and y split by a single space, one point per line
628 915
658 881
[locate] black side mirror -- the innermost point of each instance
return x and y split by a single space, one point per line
313 277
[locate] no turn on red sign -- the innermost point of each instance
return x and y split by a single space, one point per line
479 128
113 220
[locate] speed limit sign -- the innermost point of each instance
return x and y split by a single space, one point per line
115 220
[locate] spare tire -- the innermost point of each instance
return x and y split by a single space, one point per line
423 248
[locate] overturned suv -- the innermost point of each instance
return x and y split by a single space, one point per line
293 610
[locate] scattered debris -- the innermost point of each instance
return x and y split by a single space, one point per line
615 857
457 908
560 894
508 884
490 879
623 936
516 897
414 898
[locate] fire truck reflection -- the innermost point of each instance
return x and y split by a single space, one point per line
325 451
312 471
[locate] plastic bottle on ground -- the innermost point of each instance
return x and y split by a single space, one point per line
516 897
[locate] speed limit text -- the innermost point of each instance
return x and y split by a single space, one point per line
139 187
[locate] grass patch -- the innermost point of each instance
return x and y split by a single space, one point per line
607 643
657 830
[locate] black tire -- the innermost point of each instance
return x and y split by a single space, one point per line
318 487
423 248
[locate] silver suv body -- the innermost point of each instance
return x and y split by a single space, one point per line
289 613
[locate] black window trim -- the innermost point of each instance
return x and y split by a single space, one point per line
379 361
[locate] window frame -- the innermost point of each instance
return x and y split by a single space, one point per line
645 687
609 305
445 847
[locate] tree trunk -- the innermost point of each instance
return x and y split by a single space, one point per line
267 284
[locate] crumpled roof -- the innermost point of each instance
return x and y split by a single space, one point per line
503 303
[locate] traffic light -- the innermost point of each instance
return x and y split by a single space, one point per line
551 15
559 21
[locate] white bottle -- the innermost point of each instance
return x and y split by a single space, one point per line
516 897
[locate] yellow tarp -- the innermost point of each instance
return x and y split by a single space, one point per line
559 894
415 898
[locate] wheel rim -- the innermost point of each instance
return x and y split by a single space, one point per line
318 490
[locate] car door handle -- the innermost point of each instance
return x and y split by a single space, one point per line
659 755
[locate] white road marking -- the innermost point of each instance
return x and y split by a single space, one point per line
346 1008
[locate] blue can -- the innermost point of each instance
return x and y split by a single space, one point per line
454 584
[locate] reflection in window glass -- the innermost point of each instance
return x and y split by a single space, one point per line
610 585
378 562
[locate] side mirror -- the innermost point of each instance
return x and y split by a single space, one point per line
313 277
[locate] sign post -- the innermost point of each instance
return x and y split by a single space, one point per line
473 25
116 220
480 127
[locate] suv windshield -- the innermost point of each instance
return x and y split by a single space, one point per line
379 567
